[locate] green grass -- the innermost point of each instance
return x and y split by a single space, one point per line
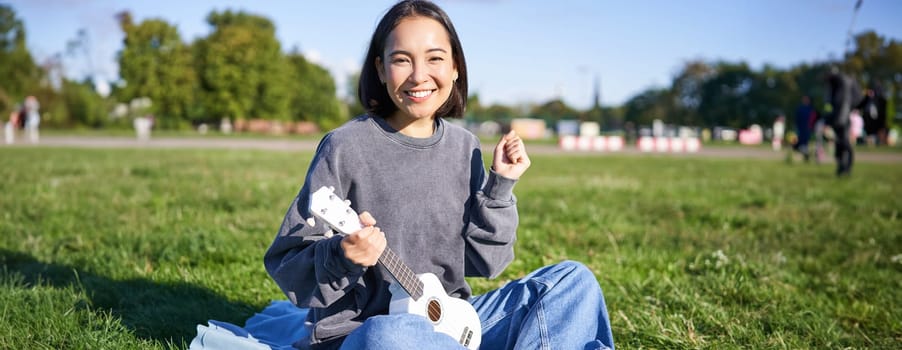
132 248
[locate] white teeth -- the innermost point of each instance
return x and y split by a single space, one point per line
420 94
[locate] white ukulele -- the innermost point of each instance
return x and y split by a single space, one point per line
421 294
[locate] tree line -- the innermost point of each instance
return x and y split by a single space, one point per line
730 94
735 95
240 71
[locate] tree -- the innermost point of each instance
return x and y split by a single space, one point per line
351 101
155 63
686 90
609 118
647 106
242 71
867 60
500 113
314 97
810 81
725 97
877 62
83 104
554 110
774 92
474 108
18 71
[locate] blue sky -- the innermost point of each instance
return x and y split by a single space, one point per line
517 52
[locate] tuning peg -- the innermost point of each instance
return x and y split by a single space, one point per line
348 202
332 188
329 233
311 221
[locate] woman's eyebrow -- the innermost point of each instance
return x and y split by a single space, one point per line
404 52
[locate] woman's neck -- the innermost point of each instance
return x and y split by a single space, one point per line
416 127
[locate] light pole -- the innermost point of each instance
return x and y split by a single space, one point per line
852 24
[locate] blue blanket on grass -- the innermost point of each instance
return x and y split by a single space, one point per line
276 327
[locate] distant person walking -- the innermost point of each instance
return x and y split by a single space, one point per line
804 121
143 125
841 96
823 135
873 111
9 130
779 130
857 127
32 118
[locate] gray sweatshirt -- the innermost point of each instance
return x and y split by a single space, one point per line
431 196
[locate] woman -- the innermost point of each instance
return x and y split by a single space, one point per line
423 180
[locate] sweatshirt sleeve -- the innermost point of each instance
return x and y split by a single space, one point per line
310 268
492 228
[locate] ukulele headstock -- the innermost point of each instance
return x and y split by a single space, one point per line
335 212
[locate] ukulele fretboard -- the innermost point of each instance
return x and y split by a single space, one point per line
405 277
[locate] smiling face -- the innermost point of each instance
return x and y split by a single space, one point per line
418 69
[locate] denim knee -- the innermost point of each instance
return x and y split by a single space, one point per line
397 331
572 278
569 270
379 326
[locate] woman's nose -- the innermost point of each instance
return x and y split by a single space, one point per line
419 73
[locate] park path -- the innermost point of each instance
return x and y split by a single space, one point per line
299 145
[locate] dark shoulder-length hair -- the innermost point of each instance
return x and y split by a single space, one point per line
374 97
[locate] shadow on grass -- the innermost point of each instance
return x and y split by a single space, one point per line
166 312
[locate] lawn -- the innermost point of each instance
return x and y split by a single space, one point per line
132 248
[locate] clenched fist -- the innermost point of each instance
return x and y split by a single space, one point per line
511 160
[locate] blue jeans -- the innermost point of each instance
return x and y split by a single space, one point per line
556 307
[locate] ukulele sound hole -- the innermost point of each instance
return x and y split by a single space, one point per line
434 310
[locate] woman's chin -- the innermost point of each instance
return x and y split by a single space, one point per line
418 114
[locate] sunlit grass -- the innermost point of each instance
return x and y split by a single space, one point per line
132 248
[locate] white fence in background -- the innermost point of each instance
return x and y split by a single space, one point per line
591 143
643 144
669 144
